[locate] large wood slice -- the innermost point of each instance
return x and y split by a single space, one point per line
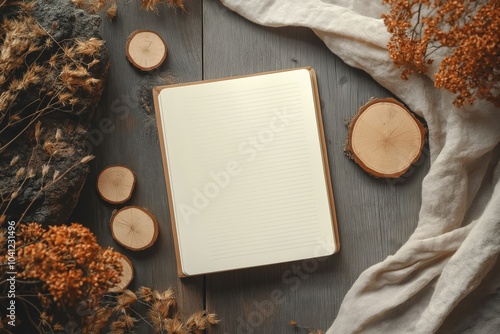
385 139
134 228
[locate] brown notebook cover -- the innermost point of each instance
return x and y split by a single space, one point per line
228 143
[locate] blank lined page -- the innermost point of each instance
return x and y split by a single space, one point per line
246 172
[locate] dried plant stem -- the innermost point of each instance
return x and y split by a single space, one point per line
11 197
140 315
54 40
20 281
4 147
11 123
26 302
26 177
14 98
34 117
43 188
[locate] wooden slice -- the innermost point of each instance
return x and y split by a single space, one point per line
115 184
385 139
134 228
145 49
126 276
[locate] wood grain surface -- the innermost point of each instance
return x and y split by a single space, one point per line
375 216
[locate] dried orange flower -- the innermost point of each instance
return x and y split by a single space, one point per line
465 33
68 261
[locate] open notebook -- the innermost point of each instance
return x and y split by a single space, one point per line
246 171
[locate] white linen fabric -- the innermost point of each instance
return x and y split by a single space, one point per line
446 277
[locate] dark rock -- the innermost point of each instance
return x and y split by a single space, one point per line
54 204
57 17
86 25
63 20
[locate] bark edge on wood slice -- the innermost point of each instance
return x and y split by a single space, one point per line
385 138
116 183
134 228
145 49
127 275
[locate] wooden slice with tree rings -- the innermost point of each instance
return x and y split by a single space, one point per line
134 228
145 49
385 139
115 184
126 276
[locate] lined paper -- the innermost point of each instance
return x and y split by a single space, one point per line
246 172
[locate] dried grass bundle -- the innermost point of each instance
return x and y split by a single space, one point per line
63 73
95 6
151 5
122 313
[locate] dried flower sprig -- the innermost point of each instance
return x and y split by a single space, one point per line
119 312
466 35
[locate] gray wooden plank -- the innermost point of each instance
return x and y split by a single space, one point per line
122 134
375 216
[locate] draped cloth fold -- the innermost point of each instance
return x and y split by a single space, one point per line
446 277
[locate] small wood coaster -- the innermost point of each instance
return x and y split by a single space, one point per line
127 275
116 183
385 139
134 228
145 49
